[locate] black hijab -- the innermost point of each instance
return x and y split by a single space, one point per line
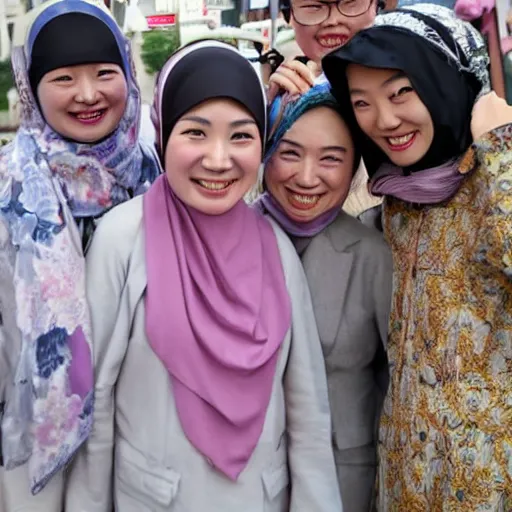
72 39
202 71
437 66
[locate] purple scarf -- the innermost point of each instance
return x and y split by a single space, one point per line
217 311
267 204
430 186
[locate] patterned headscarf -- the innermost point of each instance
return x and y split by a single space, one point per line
474 58
446 61
286 109
47 184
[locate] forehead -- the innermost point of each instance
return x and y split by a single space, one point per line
321 126
365 78
219 109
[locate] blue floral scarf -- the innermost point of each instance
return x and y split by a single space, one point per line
47 185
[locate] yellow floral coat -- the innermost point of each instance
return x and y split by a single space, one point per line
446 431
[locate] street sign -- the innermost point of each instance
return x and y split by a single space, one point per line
161 20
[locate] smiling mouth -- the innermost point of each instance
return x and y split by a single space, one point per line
401 143
214 185
303 201
89 117
332 41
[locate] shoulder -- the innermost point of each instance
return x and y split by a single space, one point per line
347 231
290 259
118 229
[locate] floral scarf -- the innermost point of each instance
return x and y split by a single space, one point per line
47 185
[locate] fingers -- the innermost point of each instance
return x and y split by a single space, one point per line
303 70
288 83
314 68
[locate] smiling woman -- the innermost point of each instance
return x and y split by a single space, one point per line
81 89
75 155
210 305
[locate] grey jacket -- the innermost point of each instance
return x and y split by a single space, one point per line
137 436
349 270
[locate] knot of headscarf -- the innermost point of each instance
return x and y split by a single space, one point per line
429 186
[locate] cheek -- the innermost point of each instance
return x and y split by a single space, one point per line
305 38
277 173
361 22
118 95
180 159
366 122
51 103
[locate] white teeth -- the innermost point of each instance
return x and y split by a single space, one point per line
215 185
90 115
305 199
398 141
332 41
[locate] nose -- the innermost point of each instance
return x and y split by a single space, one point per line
335 17
387 118
217 157
86 91
307 177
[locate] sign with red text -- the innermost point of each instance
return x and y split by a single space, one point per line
161 20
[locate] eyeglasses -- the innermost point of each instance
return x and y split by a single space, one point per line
315 12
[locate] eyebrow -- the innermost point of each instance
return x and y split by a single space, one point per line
391 79
324 148
206 122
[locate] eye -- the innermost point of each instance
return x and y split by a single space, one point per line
289 153
194 133
107 72
332 159
403 91
359 104
311 7
62 78
242 136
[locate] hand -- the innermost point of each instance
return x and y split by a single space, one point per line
489 112
293 77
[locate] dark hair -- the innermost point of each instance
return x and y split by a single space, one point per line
286 8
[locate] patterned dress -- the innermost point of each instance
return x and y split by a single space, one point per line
446 431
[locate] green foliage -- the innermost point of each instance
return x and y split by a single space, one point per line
6 83
157 47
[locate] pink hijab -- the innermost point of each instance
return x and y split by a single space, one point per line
217 306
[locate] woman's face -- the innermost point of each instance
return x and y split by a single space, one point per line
311 169
213 156
84 103
390 113
316 41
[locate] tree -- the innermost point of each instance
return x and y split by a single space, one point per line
157 47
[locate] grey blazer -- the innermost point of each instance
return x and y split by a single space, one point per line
349 270
138 455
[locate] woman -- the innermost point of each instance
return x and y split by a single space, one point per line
74 156
310 164
210 391
412 81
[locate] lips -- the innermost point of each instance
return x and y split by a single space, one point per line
214 185
332 40
402 142
90 117
303 201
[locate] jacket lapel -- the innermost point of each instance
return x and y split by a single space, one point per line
328 273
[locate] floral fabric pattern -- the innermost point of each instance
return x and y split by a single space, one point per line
446 429
46 184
